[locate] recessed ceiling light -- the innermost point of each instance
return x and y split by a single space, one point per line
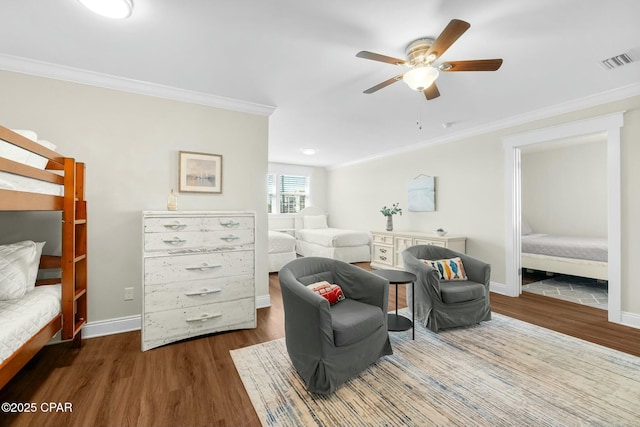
309 151
117 9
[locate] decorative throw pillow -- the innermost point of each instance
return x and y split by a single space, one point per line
315 221
16 260
449 269
332 293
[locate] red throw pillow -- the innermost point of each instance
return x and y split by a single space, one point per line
333 293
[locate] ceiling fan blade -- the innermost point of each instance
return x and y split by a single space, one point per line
472 65
449 35
432 91
383 84
382 58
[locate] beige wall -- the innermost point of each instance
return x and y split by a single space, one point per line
470 192
564 188
130 144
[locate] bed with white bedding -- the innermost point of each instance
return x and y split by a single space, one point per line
577 256
282 249
22 318
315 238
33 177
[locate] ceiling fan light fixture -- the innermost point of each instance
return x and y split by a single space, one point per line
116 9
420 78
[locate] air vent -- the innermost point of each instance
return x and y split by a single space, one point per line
616 61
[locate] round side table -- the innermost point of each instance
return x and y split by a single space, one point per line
395 321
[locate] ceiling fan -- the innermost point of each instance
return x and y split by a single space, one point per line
421 55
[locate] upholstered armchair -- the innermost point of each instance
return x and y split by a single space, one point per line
441 303
328 344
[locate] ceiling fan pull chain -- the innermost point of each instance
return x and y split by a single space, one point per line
419 116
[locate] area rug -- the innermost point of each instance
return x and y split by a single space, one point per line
579 290
500 373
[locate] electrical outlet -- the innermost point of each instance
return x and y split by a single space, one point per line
128 294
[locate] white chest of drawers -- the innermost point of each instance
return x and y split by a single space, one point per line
198 274
388 246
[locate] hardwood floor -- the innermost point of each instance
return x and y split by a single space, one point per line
110 382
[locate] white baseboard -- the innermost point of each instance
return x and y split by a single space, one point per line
263 301
134 323
630 319
112 326
499 288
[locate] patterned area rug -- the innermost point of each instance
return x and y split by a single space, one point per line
500 373
580 290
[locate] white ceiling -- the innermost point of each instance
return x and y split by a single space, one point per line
299 56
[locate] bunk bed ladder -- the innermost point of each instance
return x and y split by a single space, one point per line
74 252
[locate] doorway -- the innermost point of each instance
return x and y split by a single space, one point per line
610 127
564 220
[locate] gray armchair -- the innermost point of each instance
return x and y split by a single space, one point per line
328 344
443 304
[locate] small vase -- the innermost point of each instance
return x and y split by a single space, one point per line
172 201
389 223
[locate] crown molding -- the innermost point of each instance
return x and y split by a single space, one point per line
543 113
91 78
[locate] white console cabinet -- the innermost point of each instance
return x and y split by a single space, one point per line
198 274
388 246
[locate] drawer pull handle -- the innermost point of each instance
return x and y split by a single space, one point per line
203 292
176 225
203 267
383 258
384 251
175 241
229 238
204 317
229 224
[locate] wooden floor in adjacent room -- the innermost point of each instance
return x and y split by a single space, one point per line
110 382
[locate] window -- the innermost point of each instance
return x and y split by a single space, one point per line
287 193
271 192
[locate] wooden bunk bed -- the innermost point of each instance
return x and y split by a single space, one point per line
69 176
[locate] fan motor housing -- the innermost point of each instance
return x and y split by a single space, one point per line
416 52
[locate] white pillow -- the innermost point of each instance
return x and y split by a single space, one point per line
525 227
315 221
16 261
34 267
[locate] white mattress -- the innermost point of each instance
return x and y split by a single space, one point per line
20 155
278 260
10 181
334 237
281 242
23 317
21 183
588 248
349 254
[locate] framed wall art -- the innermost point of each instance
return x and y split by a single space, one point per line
199 172
422 194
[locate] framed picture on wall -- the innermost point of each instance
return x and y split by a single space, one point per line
199 172
422 194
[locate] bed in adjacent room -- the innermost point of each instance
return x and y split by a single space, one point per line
576 256
282 249
315 238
